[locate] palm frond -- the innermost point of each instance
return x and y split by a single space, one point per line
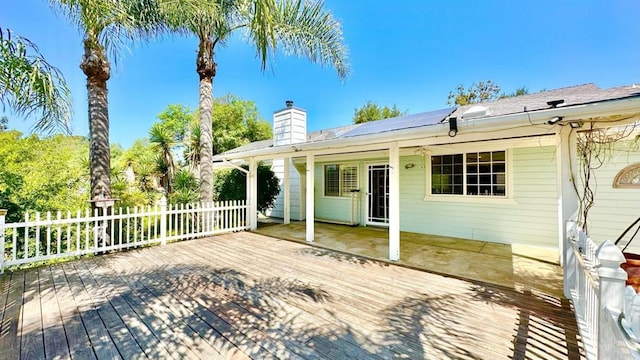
191 16
113 24
30 86
261 27
303 28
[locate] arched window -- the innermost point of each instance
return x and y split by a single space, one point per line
628 178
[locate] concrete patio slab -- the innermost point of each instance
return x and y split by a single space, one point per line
515 266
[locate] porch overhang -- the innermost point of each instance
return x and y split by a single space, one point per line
548 124
495 127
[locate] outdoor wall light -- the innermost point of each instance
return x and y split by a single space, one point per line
453 126
576 124
554 120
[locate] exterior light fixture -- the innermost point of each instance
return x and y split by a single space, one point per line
453 127
554 120
576 124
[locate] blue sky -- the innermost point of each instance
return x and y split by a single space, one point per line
410 53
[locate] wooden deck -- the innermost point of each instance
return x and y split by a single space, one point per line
244 295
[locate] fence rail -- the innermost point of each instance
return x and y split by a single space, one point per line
607 312
61 235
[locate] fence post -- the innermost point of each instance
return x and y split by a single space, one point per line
612 281
163 220
3 214
568 266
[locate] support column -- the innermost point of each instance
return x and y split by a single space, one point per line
253 194
310 197
394 203
287 191
568 202
3 215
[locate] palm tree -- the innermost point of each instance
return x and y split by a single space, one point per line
30 85
163 141
106 25
192 151
298 27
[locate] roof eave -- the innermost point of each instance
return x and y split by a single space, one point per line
624 106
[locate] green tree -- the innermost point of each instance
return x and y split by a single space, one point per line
298 27
371 112
105 26
176 119
135 176
29 85
237 123
231 184
519 92
42 174
163 140
185 188
479 92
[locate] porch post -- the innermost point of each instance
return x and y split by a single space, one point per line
3 214
287 191
310 191
394 203
252 190
568 203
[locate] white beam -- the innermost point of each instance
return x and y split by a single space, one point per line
394 202
229 163
568 202
310 197
253 194
287 190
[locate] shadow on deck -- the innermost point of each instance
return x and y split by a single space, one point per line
247 296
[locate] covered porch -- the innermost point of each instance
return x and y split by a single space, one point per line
515 266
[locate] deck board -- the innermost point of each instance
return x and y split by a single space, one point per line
55 341
32 346
10 331
77 336
248 296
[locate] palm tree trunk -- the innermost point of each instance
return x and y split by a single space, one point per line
206 68
96 67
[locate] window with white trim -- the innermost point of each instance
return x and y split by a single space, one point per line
472 174
340 179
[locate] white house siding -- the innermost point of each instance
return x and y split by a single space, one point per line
294 184
614 208
528 218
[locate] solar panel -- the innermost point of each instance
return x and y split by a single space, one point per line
400 122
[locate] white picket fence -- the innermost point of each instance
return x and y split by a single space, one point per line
607 311
43 237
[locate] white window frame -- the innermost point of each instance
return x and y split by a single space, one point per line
340 179
491 199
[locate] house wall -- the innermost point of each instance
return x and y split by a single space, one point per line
614 208
527 217
295 192
289 127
